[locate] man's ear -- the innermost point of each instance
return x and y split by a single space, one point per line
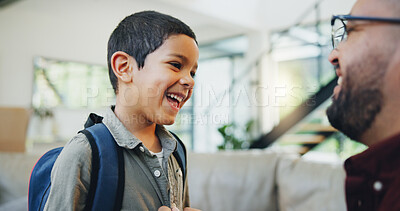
122 65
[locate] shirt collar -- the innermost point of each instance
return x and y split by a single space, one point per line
377 157
126 139
167 140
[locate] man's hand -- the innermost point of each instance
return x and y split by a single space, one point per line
165 208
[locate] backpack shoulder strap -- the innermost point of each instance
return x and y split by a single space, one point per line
180 155
107 179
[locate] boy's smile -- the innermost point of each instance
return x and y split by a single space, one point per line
165 82
175 100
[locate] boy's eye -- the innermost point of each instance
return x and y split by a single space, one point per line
176 64
193 74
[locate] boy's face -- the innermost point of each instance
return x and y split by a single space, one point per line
166 81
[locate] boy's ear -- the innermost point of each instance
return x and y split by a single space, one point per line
122 65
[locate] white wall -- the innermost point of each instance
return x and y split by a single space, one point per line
27 31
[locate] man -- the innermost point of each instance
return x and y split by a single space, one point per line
366 101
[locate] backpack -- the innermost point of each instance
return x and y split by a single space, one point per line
107 180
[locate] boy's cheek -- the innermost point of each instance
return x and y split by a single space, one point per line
189 95
152 93
129 97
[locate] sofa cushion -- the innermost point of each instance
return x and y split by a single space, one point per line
15 170
309 185
20 204
239 180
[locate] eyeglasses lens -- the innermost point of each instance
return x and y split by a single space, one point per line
338 32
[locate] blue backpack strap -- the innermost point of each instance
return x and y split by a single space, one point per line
180 155
107 177
108 173
40 180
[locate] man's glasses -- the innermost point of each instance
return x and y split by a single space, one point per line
339 30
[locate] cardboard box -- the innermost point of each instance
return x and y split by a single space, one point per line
13 128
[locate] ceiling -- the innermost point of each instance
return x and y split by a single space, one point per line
210 19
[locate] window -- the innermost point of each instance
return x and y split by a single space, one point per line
301 56
70 85
215 97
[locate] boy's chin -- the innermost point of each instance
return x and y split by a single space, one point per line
166 121
169 123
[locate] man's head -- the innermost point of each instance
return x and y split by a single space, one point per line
141 34
368 66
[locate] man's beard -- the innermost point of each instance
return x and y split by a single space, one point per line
357 104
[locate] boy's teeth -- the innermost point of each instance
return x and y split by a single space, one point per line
175 97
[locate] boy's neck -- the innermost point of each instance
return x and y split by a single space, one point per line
145 131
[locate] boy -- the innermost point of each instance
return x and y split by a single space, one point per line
152 59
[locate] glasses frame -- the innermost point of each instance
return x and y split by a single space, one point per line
343 18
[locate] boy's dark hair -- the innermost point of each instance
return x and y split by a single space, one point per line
141 34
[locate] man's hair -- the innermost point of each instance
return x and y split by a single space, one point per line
141 34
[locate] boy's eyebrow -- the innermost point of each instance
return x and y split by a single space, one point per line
179 56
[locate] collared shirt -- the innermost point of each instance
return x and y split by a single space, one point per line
148 185
373 177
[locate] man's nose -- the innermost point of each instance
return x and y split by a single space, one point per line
334 57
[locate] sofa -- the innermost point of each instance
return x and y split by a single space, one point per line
231 180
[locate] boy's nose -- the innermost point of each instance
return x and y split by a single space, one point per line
187 81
